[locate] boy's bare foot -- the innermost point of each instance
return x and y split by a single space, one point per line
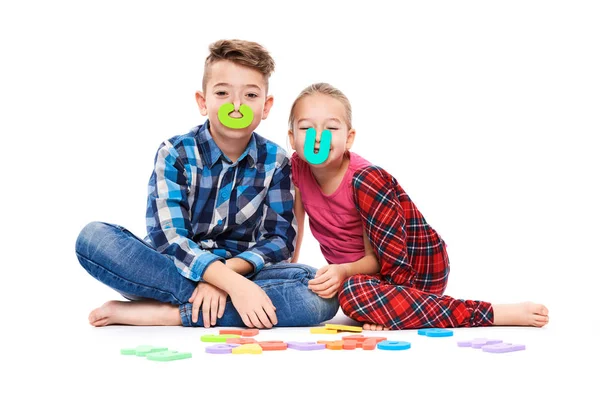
135 313
374 327
521 314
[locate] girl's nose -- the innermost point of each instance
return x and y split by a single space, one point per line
318 136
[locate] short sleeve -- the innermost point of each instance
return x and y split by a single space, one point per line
295 169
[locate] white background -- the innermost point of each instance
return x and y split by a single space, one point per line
486 113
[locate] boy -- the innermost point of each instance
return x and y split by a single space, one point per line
220 219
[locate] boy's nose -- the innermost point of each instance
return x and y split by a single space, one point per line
236 104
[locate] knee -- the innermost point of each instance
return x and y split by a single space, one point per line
345 295
353 292
89 236
302 272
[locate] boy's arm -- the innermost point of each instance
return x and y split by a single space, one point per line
275 241
239 265
168 215
299 213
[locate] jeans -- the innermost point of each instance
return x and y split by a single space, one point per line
129 265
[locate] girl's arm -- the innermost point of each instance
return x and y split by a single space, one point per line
330 278
299 212
367 265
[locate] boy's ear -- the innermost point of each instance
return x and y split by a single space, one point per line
201 100
291 139
350 139
267 107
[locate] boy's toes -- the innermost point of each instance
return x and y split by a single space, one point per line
100 322
540 320
539 309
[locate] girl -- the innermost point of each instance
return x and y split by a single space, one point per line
388 267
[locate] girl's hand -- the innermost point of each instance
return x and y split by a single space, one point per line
212 299
328 280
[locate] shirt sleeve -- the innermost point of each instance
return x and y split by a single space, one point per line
276 234
168 218
376 198
295 169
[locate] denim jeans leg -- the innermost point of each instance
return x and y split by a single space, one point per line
119 259
287 287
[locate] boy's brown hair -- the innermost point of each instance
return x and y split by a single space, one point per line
241 52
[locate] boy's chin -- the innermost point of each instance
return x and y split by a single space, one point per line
234 133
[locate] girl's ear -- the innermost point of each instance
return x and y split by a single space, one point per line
291 139
350 139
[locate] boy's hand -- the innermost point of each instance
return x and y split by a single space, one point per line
253 305
328 280
212 299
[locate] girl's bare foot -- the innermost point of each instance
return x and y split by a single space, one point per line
521 314
135 313
374 327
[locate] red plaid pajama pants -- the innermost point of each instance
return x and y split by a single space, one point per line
408 291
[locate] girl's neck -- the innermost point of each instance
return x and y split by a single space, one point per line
329 178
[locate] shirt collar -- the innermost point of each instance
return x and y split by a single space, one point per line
211 153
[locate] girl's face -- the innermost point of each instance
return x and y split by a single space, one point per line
321 112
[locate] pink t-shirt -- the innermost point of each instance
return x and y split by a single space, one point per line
333 219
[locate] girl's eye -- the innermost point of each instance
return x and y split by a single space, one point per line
303 128
332 129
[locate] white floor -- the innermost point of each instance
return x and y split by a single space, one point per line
75 360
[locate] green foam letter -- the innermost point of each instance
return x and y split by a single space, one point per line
235 123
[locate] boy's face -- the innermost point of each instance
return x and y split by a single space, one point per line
232 83
321 112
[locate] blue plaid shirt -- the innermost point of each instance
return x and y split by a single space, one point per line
203 208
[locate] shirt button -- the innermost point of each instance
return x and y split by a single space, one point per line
224 195
220 222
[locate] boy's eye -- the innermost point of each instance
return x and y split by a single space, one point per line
252 95
221 93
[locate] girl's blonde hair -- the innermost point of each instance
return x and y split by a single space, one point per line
325 89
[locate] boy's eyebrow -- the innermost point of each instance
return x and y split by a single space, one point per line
250 85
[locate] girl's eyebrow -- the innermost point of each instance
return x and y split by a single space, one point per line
328 119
